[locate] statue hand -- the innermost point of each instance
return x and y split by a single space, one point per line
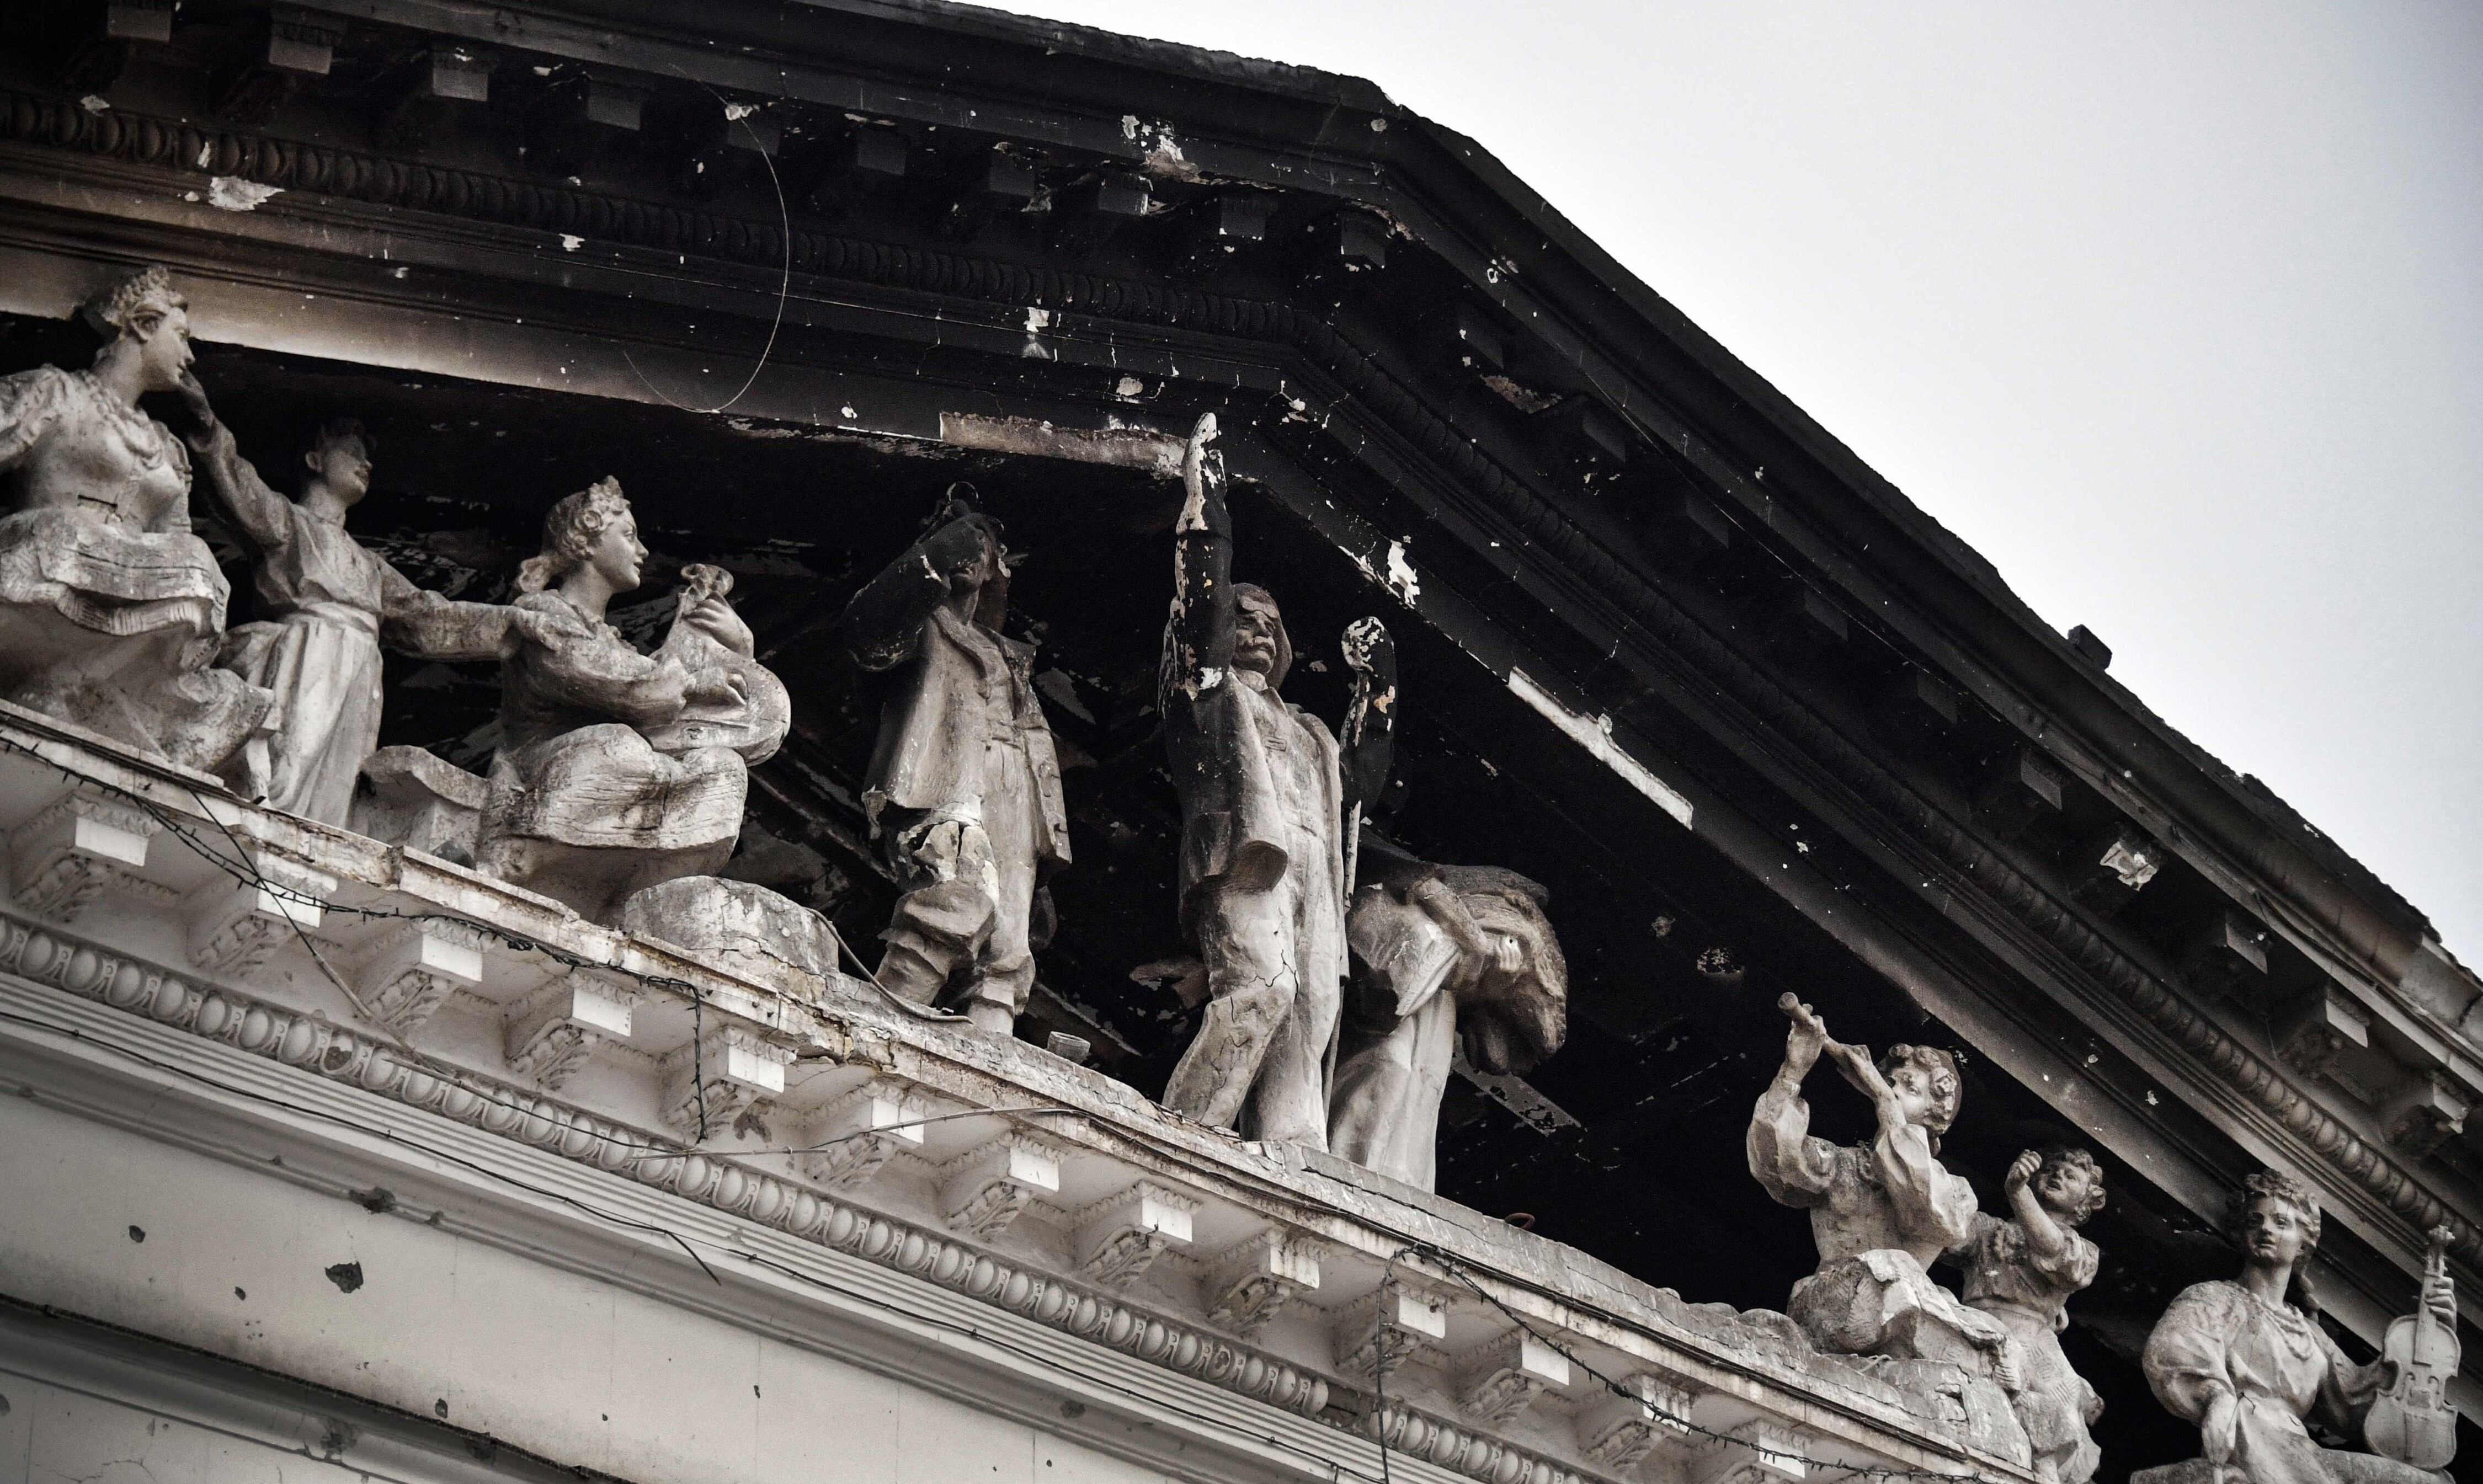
715 618
959 548
721 687
2021 1171
2440 1299
1808 1039
193 397
1368 648
2220 1432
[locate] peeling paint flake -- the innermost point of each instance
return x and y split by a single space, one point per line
1401 578
1596 737
231 193
1133 448
570 243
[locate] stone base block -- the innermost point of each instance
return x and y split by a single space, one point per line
2342 1466
737 926
1882 1303
407 797
1969 1407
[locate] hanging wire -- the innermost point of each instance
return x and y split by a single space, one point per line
244 869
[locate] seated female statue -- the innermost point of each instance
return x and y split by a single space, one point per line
109 608
618 770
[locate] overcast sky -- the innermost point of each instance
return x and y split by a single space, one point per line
2174 311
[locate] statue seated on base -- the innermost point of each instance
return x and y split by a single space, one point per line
2247 1361
619 770
1881 1214
110 609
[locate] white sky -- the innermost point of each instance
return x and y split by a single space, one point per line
2173 311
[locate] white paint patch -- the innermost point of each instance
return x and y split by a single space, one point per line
231 193
1596 737
1128 389
735 113
1037 322
94 104
570 243
1400 577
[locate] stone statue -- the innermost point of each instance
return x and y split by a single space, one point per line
2022 1272
964 788
1442 956
335 604
109 608
1882 1213
1266 805
619 770
2248 1361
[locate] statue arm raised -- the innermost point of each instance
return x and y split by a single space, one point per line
263 517
883 623
1198 639
1793 1167
420 623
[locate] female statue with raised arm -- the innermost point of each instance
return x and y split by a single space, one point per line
335 603
618 770
109 608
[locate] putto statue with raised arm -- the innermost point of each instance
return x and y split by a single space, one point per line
1266 803
333 604
618 770
111 609
2020 1270
964 787
2247 1361
1881 1213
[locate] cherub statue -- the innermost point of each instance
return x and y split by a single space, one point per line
1881 1213
1268 806
109 608
2022 1271
1443 956
964 788
335 604
2247 1361
619 770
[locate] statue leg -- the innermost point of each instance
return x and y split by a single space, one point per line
1004 968
946 913
1248 943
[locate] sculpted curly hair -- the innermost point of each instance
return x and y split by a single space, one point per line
2077 1159
146 294
1939 1069
569 532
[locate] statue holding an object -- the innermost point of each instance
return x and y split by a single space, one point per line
964 787
1268 805
111 609
619 770
2247 1361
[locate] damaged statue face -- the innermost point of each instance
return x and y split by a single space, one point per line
1255 626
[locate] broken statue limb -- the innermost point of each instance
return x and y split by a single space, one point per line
1443 956
335 604
1881 1214
2248 1361
619 770
1262 883
963 791
109 608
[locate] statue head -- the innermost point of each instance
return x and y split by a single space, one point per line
1927 1086
338 456
2069 1184
594 527
141 316
2274 1218
1260 644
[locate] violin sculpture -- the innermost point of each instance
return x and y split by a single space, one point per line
2412 1421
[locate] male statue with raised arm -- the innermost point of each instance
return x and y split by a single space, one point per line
1266 803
